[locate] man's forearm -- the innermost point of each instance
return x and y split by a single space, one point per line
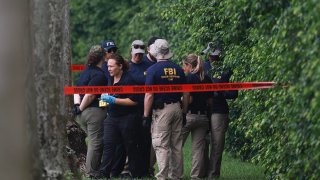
185 102
148 101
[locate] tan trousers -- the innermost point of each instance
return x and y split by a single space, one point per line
153 161
167 141
91 121
198 126
219 125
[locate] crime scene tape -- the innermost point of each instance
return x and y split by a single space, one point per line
77 67
139 89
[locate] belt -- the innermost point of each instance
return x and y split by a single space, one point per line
170 102
200 112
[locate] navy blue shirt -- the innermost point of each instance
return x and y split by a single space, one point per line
92 76
148 61
105 70
220 104
207 67
199 99
116 110
138 73
165 72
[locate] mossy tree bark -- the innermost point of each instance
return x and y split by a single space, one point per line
49 72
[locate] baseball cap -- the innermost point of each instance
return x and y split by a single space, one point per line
137 47
152 40
108 44
216 52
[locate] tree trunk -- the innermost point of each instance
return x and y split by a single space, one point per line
34 68
49 108
15 161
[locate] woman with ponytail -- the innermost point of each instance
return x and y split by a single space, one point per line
88 113
197 119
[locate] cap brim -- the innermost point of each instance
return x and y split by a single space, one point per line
109 47
215 53
136 51
166 56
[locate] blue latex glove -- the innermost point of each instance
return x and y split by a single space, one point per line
107 98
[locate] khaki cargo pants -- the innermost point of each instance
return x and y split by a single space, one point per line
167 141
91 121
197 125
219 126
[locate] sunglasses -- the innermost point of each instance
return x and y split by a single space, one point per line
138 46
112 50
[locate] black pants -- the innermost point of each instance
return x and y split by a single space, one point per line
120 130
119 160
144 146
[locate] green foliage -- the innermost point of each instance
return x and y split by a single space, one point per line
121 20
262 41
68 175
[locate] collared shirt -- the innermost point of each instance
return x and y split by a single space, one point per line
148 61
92 76
138 72
116 110
220 104
165 72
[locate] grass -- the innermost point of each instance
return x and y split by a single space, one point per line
231 168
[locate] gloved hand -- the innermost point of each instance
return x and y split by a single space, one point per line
184 119
107 98
146 122
76 109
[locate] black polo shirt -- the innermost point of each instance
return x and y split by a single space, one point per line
92 76
119 110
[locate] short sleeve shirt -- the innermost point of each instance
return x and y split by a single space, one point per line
92 76
148 61
165 72
120 110
199 99
138 73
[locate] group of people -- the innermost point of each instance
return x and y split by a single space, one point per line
134 131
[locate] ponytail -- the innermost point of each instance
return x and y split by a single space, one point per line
197 65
